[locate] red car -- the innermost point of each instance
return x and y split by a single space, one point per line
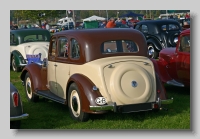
173 65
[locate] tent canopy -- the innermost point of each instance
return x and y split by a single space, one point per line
94 18
131 14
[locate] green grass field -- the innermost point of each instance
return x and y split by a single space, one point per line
47 114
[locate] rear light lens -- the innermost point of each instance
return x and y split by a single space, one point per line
155 106
15 98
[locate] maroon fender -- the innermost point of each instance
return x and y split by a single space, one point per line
160 69
37 74
161 92
87 94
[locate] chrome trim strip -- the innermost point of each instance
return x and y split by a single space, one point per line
22 65
175 83
21 117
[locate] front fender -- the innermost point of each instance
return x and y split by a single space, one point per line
155 43
160 69
37 74
19 59
88 95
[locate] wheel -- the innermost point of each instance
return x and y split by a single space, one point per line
15 124
74 104
152 51
14 67
29 93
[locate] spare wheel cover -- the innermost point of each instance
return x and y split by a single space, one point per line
121 84
39 49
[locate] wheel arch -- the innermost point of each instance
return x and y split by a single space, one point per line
37 76
155 43
88 95
19 59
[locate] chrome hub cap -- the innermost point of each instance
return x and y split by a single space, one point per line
28 88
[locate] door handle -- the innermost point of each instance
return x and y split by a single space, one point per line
55 65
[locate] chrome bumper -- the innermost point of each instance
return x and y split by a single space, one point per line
114 108
21 117
104 107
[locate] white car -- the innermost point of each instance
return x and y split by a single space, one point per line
25 42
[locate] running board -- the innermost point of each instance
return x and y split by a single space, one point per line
175 83
49 95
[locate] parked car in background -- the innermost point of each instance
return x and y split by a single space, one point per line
27 41
121 25
174 63
54 28
94 71
16 108
159 34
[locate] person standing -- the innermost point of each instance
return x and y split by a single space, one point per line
111 23
47 26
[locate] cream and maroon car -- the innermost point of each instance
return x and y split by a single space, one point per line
94 71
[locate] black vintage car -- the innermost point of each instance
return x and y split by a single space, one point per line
159 34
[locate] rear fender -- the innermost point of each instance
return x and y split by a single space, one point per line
160 69
37 74
19 59
87 94
155 43
161 92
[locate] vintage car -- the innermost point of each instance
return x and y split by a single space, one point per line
173 64
27 41
159 34
16 108
94 71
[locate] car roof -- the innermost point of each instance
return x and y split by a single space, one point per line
92 39
159 21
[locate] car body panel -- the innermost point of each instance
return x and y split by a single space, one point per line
175 64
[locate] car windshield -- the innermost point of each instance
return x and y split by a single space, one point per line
119 46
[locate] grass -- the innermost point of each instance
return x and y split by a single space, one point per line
47 114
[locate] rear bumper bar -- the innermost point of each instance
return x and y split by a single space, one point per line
20 117
132 107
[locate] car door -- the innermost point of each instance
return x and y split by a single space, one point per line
51 71
183 59
62 66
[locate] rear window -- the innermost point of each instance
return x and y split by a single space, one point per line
35 38
119 46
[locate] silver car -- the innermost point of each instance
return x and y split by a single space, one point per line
16 108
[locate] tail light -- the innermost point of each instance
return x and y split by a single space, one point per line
15 98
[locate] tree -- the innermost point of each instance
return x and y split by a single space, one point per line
38 15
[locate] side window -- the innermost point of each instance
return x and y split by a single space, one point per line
144 29
63 47
75 49
173 27
164 27
52 49
185 44
13 40
137 27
